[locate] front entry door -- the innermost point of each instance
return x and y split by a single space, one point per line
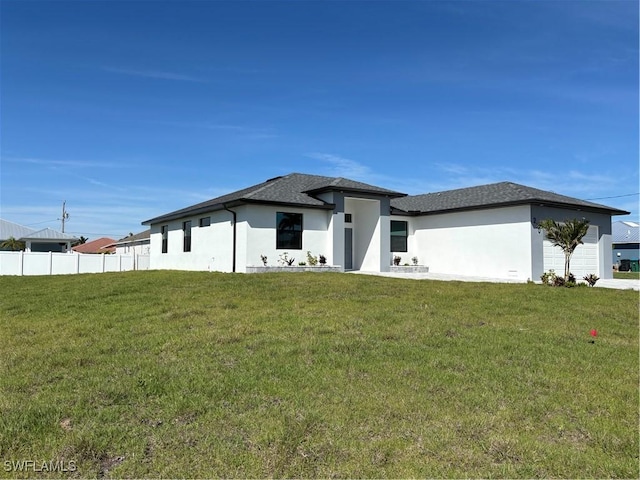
348 249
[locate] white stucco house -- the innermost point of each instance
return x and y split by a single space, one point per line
490 230
138 244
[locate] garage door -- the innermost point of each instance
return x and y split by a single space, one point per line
583 261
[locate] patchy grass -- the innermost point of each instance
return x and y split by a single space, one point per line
175 374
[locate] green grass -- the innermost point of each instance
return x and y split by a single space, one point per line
627 275
175 374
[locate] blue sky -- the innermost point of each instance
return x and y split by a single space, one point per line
131 109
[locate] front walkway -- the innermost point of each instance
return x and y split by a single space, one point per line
603 283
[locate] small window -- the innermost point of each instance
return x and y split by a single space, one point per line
164 230
186 231
289 231
347 218
399 231
205 221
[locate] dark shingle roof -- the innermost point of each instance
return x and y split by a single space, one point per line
295 189
493 195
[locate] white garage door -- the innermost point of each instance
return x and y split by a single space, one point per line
583 261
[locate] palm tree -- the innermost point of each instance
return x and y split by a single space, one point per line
12 244
567 235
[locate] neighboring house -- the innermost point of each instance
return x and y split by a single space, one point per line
138 243
626 242
101 245
490 230
45 240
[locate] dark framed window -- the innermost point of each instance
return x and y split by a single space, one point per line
347 218
399 233
205 221
186 233
164 230
289 231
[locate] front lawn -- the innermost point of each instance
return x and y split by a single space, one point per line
176 374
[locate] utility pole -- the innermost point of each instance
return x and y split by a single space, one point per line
65 214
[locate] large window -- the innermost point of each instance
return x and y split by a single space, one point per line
164 230
289 231
399 232
205 221
186 233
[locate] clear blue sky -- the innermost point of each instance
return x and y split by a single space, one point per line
131 109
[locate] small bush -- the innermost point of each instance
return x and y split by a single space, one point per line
591 279
415 260
396 260
264 259
322 259
311 260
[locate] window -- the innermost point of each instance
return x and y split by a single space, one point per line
205 221
347 218
186 232
164 230
289 230
399 236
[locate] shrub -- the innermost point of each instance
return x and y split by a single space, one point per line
322 259
396 260
415 260
549 278
285 260
264 260
311 260
302 264
591 279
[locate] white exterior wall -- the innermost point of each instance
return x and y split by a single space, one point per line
367 228
259 235
211 246
142 248
492 243
600 220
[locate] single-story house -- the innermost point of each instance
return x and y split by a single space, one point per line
138 244
100 245
626 243
489 230
45 240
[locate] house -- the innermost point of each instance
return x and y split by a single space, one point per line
45 240
138 244
101 245
490 230
626 244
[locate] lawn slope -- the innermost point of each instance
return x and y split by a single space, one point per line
175 374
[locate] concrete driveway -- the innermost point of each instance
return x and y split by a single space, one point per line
602 283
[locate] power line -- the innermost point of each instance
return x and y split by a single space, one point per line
616 196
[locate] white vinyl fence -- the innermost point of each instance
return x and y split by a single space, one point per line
53 263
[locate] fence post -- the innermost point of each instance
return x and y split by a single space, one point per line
21 263
103 262
50 262
77 263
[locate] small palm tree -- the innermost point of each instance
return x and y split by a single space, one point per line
12 244
567 235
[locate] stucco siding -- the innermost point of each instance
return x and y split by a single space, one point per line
259 235
600 220
493 242
211 246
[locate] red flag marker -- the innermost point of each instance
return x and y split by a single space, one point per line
594 332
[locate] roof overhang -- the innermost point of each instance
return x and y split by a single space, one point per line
541 203
235 203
